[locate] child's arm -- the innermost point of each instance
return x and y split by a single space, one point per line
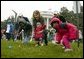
44 26
40 32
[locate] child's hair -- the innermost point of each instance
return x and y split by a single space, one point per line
62 18
54 22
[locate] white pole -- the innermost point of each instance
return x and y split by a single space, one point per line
76 7
47 22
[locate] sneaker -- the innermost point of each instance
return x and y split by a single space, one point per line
6 39
22 42
66 50
41 44
63 47
16 41
19 46
53 42
36 45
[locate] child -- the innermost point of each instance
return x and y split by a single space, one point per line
38 34
9 30
3 36
25 29
65 33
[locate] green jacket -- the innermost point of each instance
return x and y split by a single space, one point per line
34 21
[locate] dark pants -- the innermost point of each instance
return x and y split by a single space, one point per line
45 37
39 39
8 36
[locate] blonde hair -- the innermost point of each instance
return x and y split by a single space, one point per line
36 12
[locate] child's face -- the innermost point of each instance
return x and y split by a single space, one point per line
21 24
54 24
38 24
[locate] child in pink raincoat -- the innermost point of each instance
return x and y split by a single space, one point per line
65 33
38 34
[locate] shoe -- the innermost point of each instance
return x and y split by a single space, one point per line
6 39
16 41
61 44
36 45
63 47
66 50
41 44
19 46
22 42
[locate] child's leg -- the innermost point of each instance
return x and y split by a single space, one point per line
66 42
8 36
45 37
15 37
27 38
58 38
41 41
36 42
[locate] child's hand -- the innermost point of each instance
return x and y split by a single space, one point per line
61 43
40 32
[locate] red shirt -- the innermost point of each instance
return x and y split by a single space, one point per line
37 30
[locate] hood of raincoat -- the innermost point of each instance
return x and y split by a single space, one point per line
55 20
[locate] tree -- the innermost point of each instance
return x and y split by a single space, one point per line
71 17
81 8
3 24
64 12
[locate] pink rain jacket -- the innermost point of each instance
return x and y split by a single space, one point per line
70 31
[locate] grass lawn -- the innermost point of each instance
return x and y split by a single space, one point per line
18 50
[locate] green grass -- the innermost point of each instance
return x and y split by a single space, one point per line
30 51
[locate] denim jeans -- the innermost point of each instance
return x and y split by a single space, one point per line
26 39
